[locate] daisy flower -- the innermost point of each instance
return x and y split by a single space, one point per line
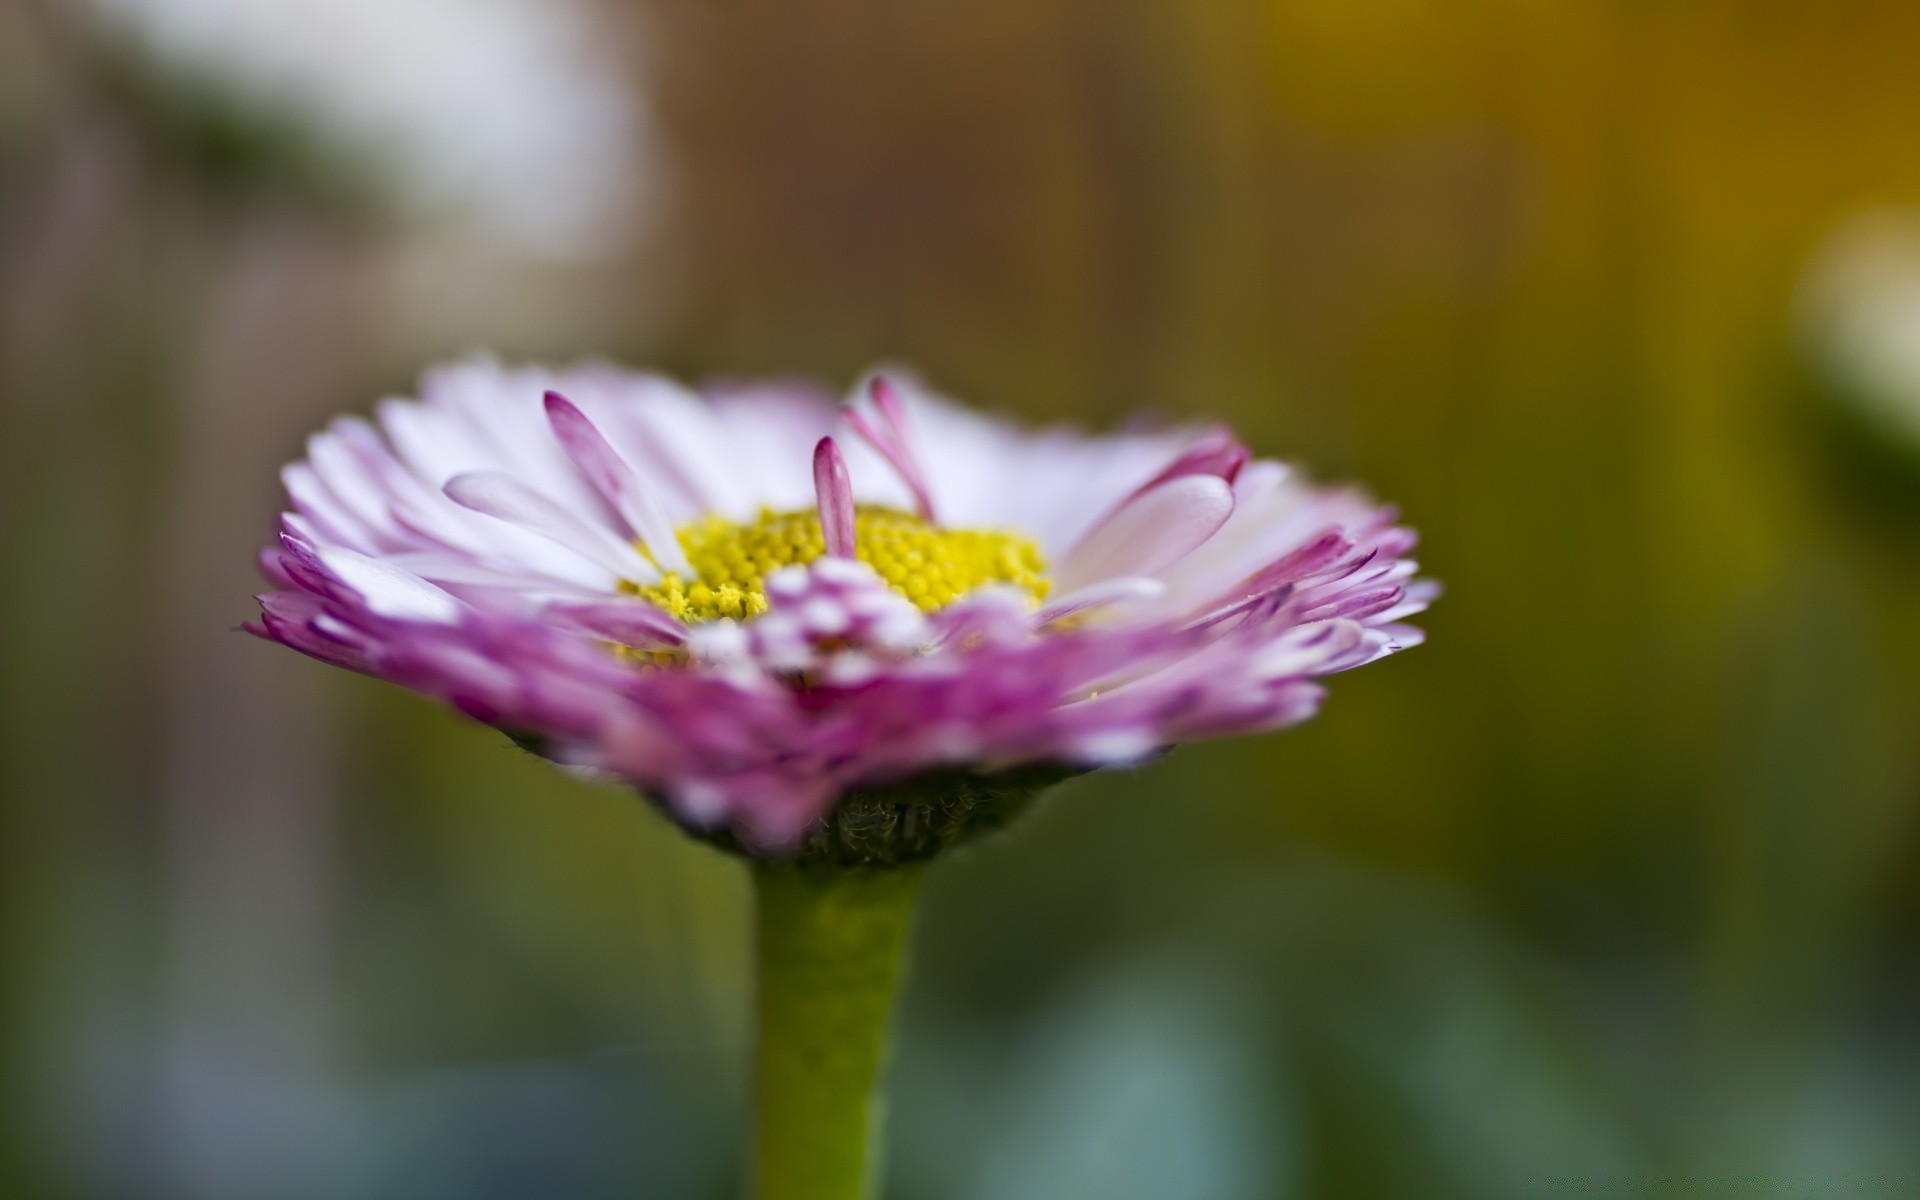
835 637
803 626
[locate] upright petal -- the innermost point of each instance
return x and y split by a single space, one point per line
890 437
834 494
613 478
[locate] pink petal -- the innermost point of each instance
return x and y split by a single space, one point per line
834 493
613 478
1218 454
890 439
1148 532
1300 562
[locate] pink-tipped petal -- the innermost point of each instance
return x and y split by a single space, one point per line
1296 564
497 494
886 399
1148 532
613 478
890 439
1219 453
833 491
875 435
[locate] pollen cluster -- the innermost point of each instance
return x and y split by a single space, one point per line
928 565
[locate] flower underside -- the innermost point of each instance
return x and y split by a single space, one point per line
929 565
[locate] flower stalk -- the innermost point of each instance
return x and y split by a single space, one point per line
830 944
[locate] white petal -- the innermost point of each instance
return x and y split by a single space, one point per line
501 495
316 502
452 568
1117 590
1116 747
347 478
436 445
718 641
675 431
387 589
845 571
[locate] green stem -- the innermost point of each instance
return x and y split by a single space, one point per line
830 946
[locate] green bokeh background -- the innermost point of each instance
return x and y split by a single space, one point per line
1609 890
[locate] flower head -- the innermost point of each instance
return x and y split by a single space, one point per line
865 629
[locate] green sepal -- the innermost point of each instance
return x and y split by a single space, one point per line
909 822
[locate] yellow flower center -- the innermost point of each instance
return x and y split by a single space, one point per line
928 565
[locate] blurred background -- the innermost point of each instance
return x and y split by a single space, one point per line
1609 890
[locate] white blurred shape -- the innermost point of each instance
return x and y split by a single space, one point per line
517 114
1859 312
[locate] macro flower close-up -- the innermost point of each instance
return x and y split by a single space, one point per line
794 600
836 638
751 602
